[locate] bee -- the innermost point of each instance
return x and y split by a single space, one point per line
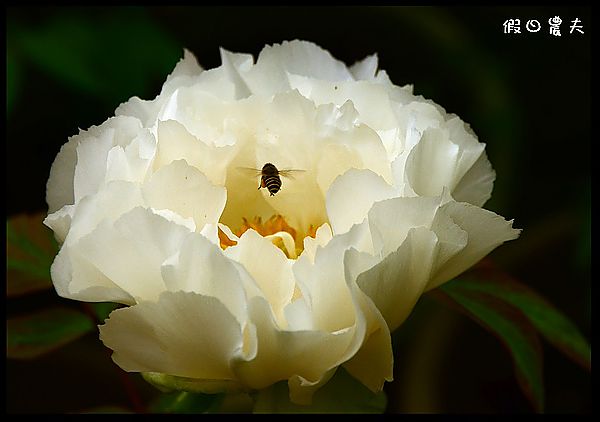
270 176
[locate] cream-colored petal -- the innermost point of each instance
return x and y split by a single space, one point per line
74 277
371 100
284 354
90 170
395 284
269 267
431 165
323 286
59 188
475 187
485 230
322 236
391 220
352 195
201 267
365 69
183 334
92 152
110 203
185 190
60 222
269 74
176 143
130 252
186 66
72 273
373 363
131 163
235 65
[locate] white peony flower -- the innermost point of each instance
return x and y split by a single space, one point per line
233 288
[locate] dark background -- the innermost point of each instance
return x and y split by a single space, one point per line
527 96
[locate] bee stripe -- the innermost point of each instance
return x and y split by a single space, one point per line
273 184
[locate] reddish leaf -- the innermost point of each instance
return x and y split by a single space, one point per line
30 249
511 327
32 335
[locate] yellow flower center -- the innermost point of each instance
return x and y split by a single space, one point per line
276 229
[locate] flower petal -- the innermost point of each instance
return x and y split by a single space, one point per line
486 231
183 334
130 252
176 143
274 62
201 267
187 191
351 196
269 267
395 284
284 354
365 69
59 188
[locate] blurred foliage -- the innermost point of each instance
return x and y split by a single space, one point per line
34 334
341 394
528 98
30 249
185 402
515 332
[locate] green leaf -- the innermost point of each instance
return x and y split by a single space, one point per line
511 327
12 80
342 394
32 335
30 250
106 55
103 309
552 324
185 402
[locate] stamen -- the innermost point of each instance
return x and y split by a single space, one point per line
276 229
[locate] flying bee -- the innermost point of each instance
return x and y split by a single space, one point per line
270 176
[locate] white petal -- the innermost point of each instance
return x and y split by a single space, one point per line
92 151
74 277
187 191
183 334
352 195
60 222
486 231
370 99
476 185
131 252
268 76
322 236
187 66
366 68
201 267
131 163
284 354
269 267
235 65
176 143
107 205
373 363
395 284
391 220
59 188
431 165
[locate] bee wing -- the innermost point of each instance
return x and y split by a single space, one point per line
249 171
290 173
